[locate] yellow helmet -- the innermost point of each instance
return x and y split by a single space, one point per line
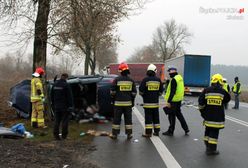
217 78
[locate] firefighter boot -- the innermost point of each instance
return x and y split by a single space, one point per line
211 150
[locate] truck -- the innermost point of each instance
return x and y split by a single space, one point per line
138 70
195 70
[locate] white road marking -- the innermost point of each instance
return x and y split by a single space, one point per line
238 121
163 151
241 122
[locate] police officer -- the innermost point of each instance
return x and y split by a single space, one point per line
236 89
211 105
173 98
123 92
226 87
150 89
62 102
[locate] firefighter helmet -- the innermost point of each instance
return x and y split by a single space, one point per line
217 78
152 67
122 67
40 71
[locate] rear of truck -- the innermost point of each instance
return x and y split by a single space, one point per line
195 70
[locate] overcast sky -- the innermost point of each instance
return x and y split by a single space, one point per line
222 33
215 33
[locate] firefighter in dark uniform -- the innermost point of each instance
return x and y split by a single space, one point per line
123 92
173 98
62 103
211 105
150 89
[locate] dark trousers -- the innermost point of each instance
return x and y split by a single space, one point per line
152 120
176 113
211 138
118 111
61 116
236 106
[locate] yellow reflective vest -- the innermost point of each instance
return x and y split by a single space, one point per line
225 86
235 88
36 84
179 91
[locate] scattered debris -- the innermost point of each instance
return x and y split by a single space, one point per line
82 134
136 140
196 139
8 133
98 133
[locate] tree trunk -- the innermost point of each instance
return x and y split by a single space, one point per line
87 60
40 35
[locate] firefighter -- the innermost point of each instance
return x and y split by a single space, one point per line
173 98
236 89
123 92
211 105
226 87
61 97
150 89
37 98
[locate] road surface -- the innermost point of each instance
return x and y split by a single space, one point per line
179 150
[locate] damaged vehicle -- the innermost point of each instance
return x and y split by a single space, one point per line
85 97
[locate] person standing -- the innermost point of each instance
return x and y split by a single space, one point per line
150 89
211 105
173 98
37 98
226 87
123 92
62 103
236 89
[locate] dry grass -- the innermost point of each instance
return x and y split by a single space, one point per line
243 96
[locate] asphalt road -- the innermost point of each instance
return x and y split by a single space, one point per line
183 151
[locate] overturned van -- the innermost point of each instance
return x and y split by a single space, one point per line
84 91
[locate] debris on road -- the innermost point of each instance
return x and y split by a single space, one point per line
98 133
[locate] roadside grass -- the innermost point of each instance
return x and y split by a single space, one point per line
46 134
243 96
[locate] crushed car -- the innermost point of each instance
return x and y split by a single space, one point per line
85 90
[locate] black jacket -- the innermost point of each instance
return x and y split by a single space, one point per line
211 103
150 89
61 95
123 91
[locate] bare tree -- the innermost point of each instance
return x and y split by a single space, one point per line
84 23
144 54
105 56
170 38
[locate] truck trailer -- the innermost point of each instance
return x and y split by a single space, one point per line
195 70
138 70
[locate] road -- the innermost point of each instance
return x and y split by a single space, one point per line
179 150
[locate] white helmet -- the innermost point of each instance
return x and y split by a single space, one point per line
152 67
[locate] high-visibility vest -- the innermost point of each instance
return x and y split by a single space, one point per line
235 88
179 91
225 87
36 84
